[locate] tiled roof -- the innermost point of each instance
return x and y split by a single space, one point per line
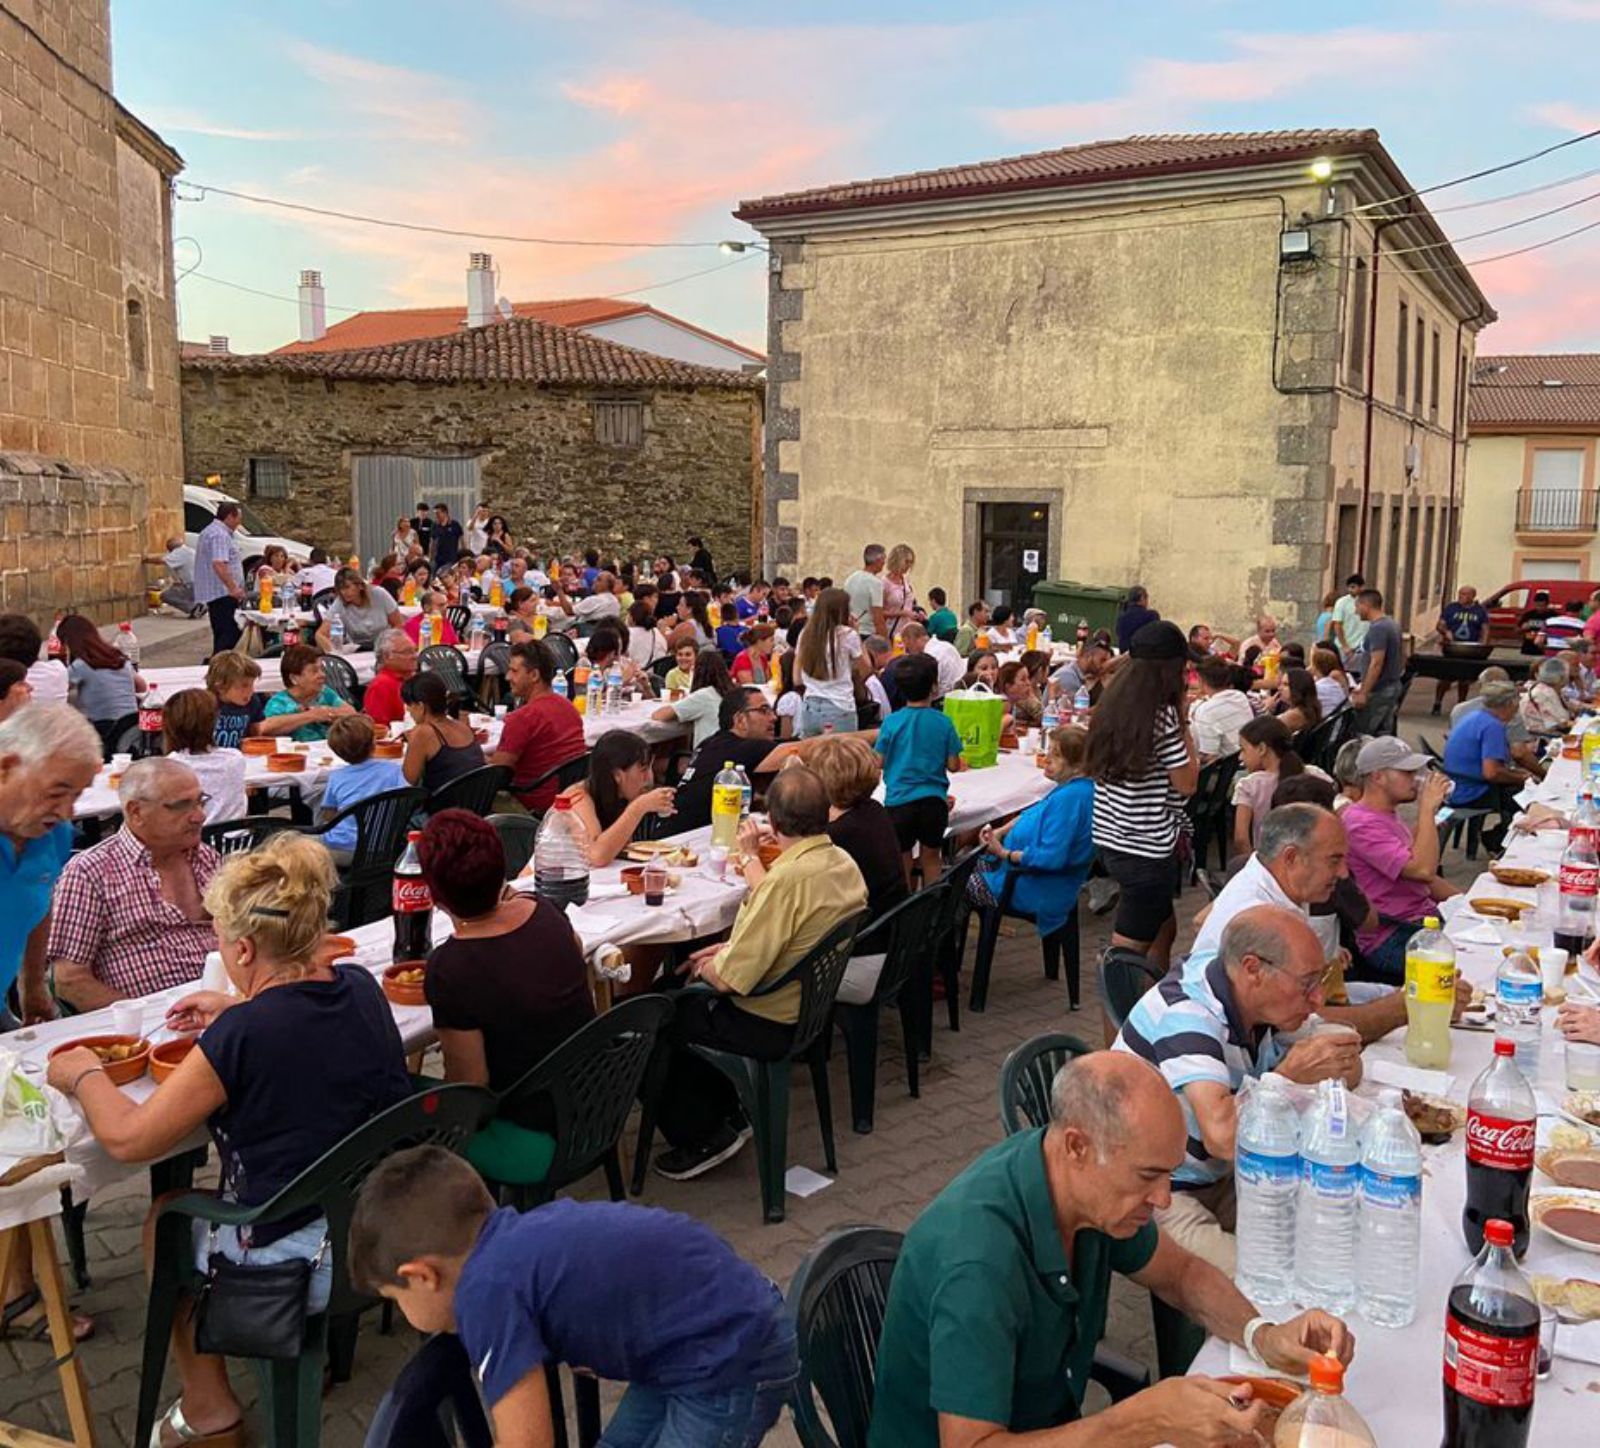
406 324
1548 391
1096 161
519 350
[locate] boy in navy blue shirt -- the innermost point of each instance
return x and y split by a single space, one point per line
920 749
633 1294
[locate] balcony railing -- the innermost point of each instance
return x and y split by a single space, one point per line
1557 510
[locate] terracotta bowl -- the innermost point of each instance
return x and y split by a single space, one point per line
768 853
633 878
286 764
258 746
404 992
165 1058
121 1072
380 731
1572 751
1275 1392
389 749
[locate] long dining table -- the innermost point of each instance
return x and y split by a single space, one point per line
1395 1381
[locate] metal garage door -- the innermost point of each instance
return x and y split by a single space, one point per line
388 487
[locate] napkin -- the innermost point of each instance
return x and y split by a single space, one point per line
1409 1078
1479 935
1580 1341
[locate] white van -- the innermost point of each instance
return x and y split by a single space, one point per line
254 537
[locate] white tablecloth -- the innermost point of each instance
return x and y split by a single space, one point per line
173 677
1395 1380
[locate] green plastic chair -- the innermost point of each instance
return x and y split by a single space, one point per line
450 664
517 835
763 1086
364 891
292 1391
591 1081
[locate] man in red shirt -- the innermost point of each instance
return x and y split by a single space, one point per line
544 730
396 659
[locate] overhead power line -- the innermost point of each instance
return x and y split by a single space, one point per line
1486 171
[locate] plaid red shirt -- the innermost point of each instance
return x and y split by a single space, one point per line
108 914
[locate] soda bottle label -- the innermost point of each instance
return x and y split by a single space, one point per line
1331 1181
1389 1191
1488 1368
411 894
1430 982
727 799
1257 1170
1498 1142
1576 879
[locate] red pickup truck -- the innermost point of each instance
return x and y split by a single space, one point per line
1509 604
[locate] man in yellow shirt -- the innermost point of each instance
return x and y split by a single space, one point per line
812 887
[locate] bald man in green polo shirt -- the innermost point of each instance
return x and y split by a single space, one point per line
999 1297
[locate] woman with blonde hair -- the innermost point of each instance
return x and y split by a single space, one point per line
899 597
302 1054
830 659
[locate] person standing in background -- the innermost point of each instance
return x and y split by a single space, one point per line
1349 628
477 534
700 559
219 576
1136 613
864 589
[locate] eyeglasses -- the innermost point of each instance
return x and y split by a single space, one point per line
1309 988
186 806
762 708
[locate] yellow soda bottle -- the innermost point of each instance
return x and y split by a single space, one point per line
266 593
727 801
1033 636
580 688
541 625
1430 995
408 594
497 592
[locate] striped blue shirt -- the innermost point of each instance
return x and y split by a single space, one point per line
215 545
1189 1029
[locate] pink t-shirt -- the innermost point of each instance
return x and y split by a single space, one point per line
1380 846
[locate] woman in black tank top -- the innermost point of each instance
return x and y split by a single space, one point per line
439 749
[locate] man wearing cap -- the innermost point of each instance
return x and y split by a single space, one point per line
1524 750
1477 756
1397 868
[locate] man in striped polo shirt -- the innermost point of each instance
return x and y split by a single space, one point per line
1206 1032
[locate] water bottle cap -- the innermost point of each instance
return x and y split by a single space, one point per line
1504 1046
562 802
1498 1233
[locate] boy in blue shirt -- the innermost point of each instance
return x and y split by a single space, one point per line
920 749
633 1294
352 739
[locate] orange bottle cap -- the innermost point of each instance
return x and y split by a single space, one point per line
1327 1373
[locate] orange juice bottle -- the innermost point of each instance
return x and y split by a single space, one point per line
497 592
266 593
775 671
408 594
982 641
1033 636
580 688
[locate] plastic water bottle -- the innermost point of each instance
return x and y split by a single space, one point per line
614 687
1389 1216
1266 1169
127 643
561 857
558 685
1323 1417
747 793
1081 702
478 632
594 697
425 633
1518 996
1049 720
1325 1211
336 635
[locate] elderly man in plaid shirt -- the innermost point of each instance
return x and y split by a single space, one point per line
128 918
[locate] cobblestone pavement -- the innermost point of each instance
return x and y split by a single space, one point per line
884 1178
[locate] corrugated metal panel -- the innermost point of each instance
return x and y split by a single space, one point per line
388 487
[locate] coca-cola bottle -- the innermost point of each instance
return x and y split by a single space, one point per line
1491 1349
1579 880
152 716
1501 1114
413 905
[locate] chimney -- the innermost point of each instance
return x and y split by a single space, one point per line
480 289
313 307
217 346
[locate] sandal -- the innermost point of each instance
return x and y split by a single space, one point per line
39 1329
232 1437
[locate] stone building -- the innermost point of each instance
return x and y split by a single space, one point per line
90 450
574 439
1230 367
1533 489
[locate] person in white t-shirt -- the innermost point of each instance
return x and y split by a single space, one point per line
952 667
477 530
189 727
1221 712
20 640
319 573
829 660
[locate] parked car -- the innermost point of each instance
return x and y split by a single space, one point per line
254 536
1508 604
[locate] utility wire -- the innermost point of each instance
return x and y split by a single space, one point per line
1486 171
1517 195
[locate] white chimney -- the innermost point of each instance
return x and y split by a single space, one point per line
313 307
217 346
480 289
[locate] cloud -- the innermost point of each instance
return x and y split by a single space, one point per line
1166 93
1549 301
192 123
1566 117
405 104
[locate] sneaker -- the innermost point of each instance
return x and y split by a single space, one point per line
1103 894
683 1163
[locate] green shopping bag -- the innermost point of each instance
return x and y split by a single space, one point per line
976 713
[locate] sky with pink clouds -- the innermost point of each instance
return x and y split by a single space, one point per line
637 122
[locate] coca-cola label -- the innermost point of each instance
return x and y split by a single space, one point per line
1499 1142
1488 1368
150 721
411 894
1578 879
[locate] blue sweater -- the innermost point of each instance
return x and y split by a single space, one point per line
1056 838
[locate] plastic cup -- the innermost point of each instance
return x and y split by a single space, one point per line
1552 967
655 883
127 1018
215 975
1583 1066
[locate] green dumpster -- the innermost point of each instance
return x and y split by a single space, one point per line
1067 603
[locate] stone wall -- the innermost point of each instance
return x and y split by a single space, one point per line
541 467
82 195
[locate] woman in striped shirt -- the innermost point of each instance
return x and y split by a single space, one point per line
1143 763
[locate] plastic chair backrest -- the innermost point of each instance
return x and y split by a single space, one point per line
238 837
1125 976
450 664
662 667
475 790
566 774
838 1295
517 834
563 651
906 935
381 820
340 675
592 1080
322 601
1211 790
437 1379
459 617
955 878
1026 1076
819 974
497 654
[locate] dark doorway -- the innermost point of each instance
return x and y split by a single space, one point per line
1013 549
